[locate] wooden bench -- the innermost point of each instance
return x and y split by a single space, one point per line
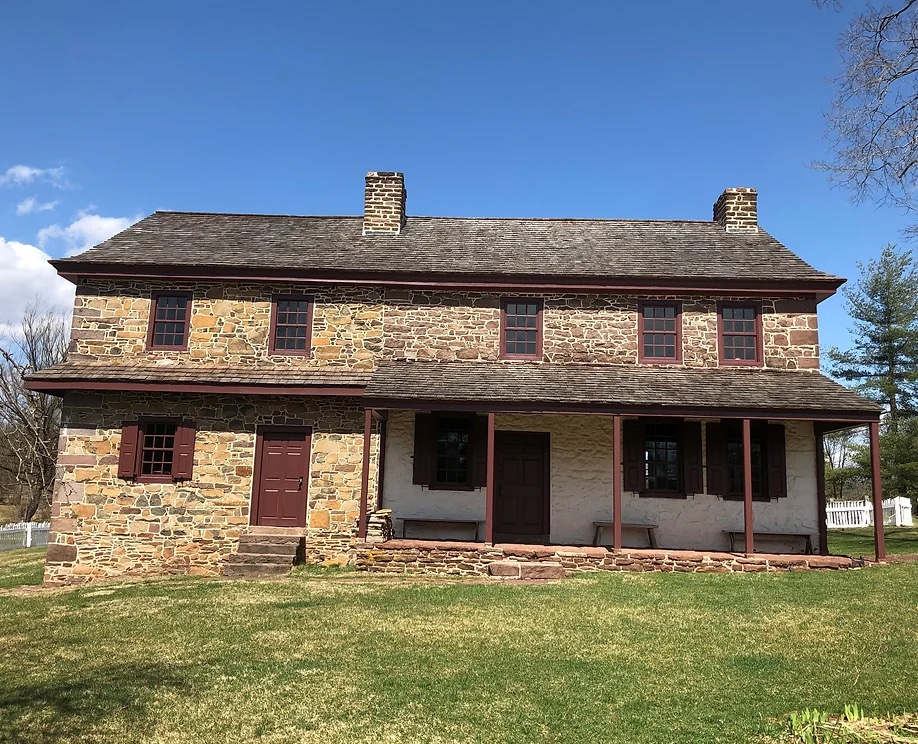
806 537
452 522
651 535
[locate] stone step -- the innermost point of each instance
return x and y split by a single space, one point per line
269 548
525 570
291 532
260 558
254 571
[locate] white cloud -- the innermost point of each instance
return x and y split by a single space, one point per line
27 206
20 175
84 232
27 275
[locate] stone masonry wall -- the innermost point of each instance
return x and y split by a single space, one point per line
103 526
355 327
469 559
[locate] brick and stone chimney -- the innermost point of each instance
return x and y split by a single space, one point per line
384 203
736 210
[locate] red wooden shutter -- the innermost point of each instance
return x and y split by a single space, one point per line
183 464
480 451
423 448
776 461
633 451
127 457
718 477
692 466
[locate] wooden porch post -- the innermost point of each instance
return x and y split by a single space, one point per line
879 538
747 486
821 489
616 482
489 484
365 475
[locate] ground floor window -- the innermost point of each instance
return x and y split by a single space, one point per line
661 457
453 466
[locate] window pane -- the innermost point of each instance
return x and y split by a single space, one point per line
661 453
291 328
453 450
169 320
157 448
521 328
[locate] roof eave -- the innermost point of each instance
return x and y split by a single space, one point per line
819 288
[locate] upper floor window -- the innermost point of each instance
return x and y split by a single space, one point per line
291 325
521 329
660 331
170 317
740 334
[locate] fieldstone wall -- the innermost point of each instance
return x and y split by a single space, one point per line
469 559
354 327
230 323
103 526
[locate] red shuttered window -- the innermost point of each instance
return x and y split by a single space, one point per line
157 450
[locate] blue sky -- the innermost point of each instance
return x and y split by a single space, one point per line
578 109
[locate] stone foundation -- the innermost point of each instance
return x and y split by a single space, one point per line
476 559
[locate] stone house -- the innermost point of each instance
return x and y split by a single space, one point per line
417 393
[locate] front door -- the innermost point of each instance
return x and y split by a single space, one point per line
281 477
521 496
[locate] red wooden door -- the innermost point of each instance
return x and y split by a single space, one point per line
282 476
521 497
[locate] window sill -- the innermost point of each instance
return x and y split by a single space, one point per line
655 360
449 487
662 495
741 363
288 353
154 479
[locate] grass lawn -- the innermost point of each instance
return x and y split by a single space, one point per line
859 541
21 567
344 658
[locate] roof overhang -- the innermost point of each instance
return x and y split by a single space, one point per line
61 387
818 289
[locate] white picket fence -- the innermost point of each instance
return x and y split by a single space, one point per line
24 535
896 513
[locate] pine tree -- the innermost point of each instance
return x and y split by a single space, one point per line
883 360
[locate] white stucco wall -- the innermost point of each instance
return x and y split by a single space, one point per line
581 490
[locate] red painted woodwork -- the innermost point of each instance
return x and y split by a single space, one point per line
489 485
521 498
775 462
504 327
183 458
747 485
423 449
272 333
480 452
281 477
821 490
692 462
646 325
818 288
365 471
182 318
633 436
879 538
759 340
127 457
616 482
55 387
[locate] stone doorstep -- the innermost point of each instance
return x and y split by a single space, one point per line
260 558
288 549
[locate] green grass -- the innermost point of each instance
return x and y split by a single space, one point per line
345 658
21 567
859 541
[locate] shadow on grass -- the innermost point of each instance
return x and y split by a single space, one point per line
80 706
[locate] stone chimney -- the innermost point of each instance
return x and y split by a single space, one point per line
384 203
736 210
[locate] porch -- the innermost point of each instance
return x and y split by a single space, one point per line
569 465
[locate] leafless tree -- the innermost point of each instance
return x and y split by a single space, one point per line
873 121
30 421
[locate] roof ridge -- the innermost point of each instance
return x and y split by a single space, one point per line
430 217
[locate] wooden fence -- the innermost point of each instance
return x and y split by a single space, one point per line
24 535
840 514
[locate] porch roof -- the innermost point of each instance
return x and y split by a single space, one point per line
660 389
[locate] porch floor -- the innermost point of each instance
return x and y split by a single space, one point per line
441 556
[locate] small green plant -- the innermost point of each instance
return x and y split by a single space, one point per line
853 726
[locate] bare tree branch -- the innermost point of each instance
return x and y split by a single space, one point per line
30 421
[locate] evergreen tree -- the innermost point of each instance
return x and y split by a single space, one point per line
883 361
